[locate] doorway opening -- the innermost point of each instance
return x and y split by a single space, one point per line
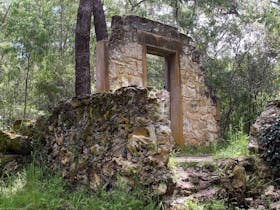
162 70
157 74
157 71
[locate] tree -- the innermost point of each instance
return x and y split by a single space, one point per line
29 37
36 57
87 8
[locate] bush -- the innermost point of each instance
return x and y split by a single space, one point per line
269 145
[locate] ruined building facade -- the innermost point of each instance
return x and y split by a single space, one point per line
122 61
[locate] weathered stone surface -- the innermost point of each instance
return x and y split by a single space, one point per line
10 163
15 149
13 143
96 139
266 119
195 178
24 127
236 181
191 103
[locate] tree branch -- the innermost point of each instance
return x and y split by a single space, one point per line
5 16
133 6
275 2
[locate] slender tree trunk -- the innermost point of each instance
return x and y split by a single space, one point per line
99 21
26 87
61 31
82 49
87 8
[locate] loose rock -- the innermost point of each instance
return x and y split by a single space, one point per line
94 140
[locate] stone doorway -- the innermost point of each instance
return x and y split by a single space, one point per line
122 61
158 79
172 85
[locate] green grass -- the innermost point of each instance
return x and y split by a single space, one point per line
210 205
34 188
237 146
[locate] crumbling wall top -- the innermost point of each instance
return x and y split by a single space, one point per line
135 23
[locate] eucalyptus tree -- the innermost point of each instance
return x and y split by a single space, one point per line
87 8
37 56
29 36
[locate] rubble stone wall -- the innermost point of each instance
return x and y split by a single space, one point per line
266 119
132 38
201 115
93 140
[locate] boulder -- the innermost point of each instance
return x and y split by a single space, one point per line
15 149
13 143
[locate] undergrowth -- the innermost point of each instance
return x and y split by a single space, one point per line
236 145
35 188
210 205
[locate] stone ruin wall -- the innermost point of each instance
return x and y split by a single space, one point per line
200 111
108 137
126 50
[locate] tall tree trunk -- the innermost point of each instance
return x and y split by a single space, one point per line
61 31
99 21
82 49
87 8
26 86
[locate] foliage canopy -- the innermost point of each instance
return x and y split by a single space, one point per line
239 43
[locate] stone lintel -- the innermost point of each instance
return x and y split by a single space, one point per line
157 44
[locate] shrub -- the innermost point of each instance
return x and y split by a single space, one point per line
269 143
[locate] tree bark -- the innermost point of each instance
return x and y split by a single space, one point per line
82 49
99 21
87 8
26 86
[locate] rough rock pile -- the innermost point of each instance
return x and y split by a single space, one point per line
264 139
15 146
265 120
105 137
236 181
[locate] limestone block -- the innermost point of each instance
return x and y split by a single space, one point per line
190 92
133 50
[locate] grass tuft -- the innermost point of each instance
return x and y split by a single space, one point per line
210 205
199 150
35 188
237 146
